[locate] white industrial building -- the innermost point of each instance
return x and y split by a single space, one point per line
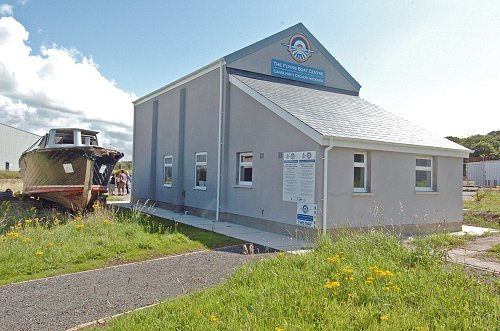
13 142
484 173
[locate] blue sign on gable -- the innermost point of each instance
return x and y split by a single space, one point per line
297 72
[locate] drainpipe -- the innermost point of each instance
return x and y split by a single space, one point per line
219 141
325 184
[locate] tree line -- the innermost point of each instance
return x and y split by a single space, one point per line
485 146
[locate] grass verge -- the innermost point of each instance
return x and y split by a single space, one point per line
494 251
359 282
36 244
4 174
484 210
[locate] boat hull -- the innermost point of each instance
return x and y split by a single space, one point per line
73 177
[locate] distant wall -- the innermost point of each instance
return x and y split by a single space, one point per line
485 173
13 142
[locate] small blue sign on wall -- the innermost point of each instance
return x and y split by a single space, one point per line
298 72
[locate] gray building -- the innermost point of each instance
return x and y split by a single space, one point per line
13 142
275 136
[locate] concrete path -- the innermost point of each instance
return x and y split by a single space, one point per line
62 302
290 243
472 255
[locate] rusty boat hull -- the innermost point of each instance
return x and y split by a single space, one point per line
73 177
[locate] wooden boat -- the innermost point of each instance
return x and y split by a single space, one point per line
69 167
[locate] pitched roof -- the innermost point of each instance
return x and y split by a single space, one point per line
297 28
343 116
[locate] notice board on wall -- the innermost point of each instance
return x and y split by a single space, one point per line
299 173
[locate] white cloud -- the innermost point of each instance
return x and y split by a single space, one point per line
6 10
59 88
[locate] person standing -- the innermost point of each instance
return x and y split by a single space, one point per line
112 182
122 180
127 185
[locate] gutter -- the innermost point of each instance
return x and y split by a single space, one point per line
219 139
325 184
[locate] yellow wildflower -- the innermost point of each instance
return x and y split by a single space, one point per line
3 238
279 329
50 244
213 317
384 317
12 235
334 259
349 278
331 284
28 221
386 289
79 226
347 270
39 253
396 288
370 280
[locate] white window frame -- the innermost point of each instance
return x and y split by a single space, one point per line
199 164
165 166
362 165
422 168
244 164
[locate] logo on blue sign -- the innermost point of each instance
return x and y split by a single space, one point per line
299 48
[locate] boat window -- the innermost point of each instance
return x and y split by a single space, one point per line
64 138
89 140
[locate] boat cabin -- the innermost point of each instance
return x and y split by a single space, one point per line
69 137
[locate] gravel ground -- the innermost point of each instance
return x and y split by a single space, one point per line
59 303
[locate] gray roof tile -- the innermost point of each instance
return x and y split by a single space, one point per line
345 116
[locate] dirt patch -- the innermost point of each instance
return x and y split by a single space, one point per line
488 216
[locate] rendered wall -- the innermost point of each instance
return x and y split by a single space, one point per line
254 128
187 120
392 199
143 116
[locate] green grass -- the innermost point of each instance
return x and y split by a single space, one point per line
484 211
444 240
36 244
494 251
489 203
481 220
4 174
359 282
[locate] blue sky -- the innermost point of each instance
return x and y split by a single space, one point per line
435 63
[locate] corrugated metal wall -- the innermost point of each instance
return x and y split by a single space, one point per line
484 173
13 142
